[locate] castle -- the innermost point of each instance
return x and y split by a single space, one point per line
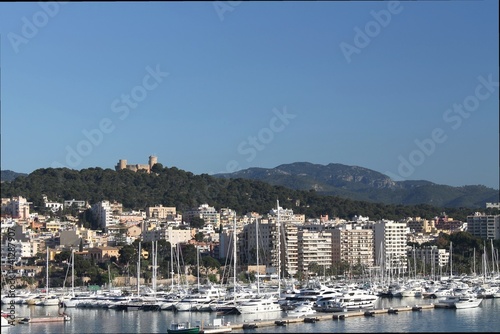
122 164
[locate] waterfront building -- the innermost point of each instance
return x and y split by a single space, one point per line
435 259
290 249
484 226
352 244
314 247
390 240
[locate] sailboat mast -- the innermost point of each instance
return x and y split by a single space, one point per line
172 266
257 251
474 262
155 253
47 275
139 269
451 259
73 272
198 265
234 257
279 247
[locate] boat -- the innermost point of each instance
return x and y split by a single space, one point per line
467 302
183 328
259 305
5 322
350 300
48 299
302 309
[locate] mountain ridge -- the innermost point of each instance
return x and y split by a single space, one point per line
360 183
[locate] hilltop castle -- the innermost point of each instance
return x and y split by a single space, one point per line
122 164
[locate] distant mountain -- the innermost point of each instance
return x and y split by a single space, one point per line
8 175
358 183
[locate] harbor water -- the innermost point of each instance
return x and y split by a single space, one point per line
485 318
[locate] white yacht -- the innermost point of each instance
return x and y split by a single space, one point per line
467 302
302 309
259 305
351 300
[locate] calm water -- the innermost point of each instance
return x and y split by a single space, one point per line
485 318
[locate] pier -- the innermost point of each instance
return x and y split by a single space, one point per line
257 323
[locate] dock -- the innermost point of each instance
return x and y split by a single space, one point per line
320 316
46 319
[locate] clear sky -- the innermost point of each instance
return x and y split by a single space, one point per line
409 89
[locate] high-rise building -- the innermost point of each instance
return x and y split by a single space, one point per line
484 226
390 240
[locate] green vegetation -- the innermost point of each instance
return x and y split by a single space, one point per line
183 190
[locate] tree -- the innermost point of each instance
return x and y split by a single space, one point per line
199 236
197 222
209 262
127 254
157 168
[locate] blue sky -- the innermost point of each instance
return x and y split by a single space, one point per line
409 89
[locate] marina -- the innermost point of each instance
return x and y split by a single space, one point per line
417 311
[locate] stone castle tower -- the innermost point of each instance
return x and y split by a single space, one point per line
122 164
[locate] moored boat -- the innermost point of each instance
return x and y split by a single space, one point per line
182 328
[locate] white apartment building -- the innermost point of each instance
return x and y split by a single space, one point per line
434 259
17 207
53 206
103 212
19 250
484 226
286 215
205 212
352 244
314 247
174 236
290 248
390 239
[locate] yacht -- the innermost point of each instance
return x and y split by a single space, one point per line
259 305
199 297
467 302
302 309
350 300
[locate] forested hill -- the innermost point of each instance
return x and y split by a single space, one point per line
363 184
184 190
8 175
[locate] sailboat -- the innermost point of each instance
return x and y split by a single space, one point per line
264 304
48 300
72 301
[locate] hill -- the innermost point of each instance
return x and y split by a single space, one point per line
184 190
358 183
8 175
